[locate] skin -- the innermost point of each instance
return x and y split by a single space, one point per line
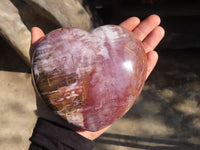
148 31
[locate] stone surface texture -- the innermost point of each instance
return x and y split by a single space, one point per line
13 29
90 78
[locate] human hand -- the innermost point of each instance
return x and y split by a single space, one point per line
148 31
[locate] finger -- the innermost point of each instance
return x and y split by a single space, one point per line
146 26
152 40
130 23
152 58
36 35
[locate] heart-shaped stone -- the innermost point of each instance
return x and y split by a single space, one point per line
91 78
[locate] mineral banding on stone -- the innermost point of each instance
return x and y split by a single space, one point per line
91 78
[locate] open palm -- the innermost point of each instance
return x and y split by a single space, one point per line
148 31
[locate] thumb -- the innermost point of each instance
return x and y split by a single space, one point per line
36 35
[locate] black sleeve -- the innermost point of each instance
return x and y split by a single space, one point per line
49 136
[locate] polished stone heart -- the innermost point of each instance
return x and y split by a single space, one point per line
91 78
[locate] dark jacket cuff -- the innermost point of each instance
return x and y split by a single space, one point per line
47 135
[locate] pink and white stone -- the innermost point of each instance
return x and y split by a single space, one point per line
91 78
